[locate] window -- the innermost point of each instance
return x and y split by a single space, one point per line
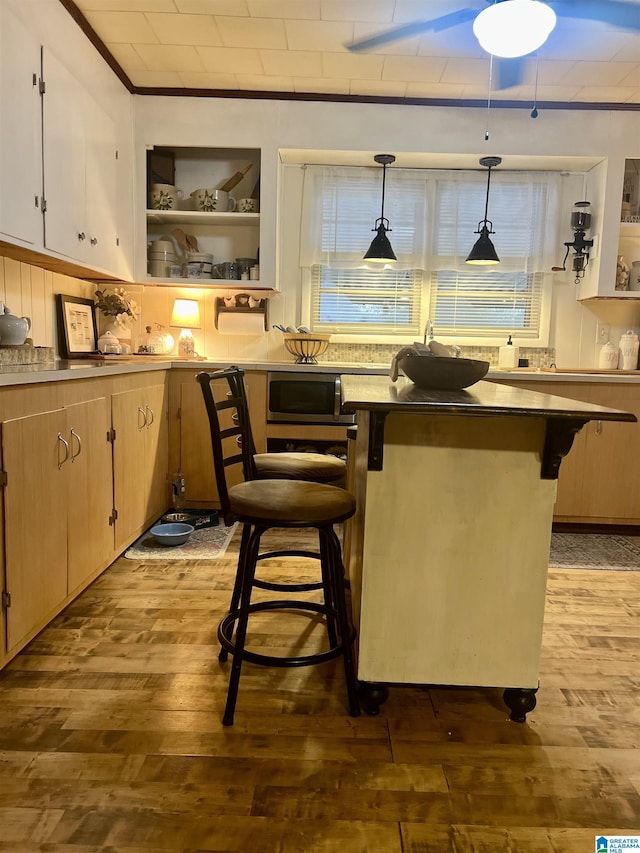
433 216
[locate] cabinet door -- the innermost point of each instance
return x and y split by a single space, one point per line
20 141
64 160
156 451
196 456
89 490
129 464
611 471
35 520
101 244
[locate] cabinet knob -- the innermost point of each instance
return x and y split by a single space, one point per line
94 241
81 236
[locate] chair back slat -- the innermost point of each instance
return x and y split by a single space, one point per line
230 383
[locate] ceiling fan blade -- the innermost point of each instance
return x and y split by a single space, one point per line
412 29
617 12
508 72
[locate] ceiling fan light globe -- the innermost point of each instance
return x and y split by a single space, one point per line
514 27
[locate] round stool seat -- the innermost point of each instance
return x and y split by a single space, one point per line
290 502
317 467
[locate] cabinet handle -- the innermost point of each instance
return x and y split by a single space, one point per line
81 236
153 416
75 435
142 425
598 429
66 451
94 241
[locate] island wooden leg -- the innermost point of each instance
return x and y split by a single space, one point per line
520 700
372 695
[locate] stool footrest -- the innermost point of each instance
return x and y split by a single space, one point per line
226 627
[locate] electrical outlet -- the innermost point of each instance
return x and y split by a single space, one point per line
602 333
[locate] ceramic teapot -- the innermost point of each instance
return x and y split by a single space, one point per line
13 330
108 344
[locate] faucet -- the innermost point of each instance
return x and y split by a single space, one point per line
428 332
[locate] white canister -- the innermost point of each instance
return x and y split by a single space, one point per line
608 359
629 350
199 265
634 276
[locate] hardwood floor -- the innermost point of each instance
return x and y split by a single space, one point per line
111 740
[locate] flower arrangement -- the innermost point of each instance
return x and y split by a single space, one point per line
118 304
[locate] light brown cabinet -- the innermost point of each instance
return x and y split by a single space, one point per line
139 417
599 480
190 447
56 510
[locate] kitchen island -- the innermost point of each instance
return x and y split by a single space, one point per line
448 551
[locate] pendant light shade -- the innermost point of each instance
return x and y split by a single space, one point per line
484 252
514 27
380 250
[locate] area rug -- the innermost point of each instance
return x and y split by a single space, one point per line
207 543
595 551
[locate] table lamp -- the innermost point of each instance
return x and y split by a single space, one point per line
186 316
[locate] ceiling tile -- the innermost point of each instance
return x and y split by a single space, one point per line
264 83
294 63
598 73
164 57
309 10
351 66
413 69
235 8
127 5
126 57
185 29
355 10
466 71
208 80
434 90
252 32
379 88
318 35
320 85
605 94
397 47
230 60
168 79
632 79
122 27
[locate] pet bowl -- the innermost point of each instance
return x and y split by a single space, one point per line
441 373
172 534
306 348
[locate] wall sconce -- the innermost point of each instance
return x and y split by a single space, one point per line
580 222
380 249
186 316
484 252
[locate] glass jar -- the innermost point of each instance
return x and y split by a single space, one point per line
151 343
580 216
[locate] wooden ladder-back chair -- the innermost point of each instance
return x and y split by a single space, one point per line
261 505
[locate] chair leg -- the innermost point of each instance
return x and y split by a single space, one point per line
328 587
344 623
237 586
247 570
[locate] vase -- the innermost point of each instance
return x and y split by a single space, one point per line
110 324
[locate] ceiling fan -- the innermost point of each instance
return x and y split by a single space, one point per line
512 29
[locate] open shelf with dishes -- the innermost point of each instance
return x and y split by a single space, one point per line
202 206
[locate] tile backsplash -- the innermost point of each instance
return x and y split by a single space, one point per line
383 353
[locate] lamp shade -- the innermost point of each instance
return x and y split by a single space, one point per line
483 252
380 250
186 314
514 27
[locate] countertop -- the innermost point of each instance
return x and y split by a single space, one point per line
379 394
89 368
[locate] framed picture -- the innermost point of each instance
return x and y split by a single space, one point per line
77 328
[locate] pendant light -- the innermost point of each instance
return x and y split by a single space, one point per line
483 252
380 250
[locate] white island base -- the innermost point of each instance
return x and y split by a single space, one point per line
457 528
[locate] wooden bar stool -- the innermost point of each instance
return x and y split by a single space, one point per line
261 505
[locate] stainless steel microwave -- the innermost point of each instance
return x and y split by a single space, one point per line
310 398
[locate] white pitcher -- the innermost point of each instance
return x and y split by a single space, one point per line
13 330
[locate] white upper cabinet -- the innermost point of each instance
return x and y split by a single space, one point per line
65 145
20 158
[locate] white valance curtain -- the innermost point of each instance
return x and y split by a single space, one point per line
433 215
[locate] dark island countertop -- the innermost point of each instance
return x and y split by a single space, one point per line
380 394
